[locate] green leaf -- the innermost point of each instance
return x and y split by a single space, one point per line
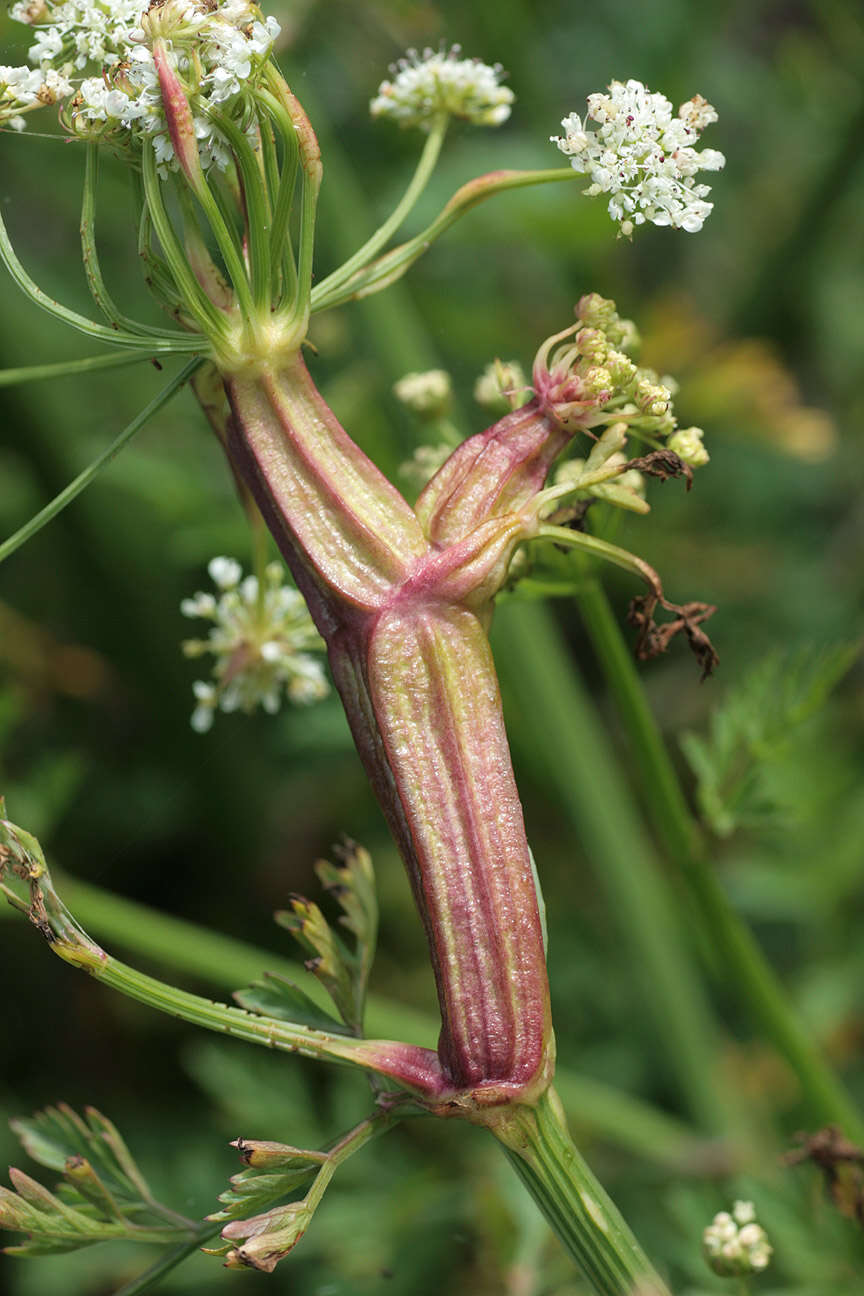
343 972
751 729
276 996
256 1187
266 1238
102 1196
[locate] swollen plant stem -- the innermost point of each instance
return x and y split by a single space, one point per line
574 1202
742 959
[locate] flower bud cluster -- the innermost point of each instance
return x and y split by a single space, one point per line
735 1245
101 55
643 156
434 82
589 380
261 638
687 444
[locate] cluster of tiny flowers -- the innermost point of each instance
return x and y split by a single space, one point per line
587 380
261 638
428 394
735 1245
102 52
428 84
23 88
502 386
643 156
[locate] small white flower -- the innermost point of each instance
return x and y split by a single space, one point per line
735 1245
642 156
224 572
260 637
200 605
425 85
426 393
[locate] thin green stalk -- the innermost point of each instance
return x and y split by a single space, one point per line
743 961
258 215
242 279
169 1260
574 1202
305 246
75 487
118 337
35 373
90 256
280 187
592 544
425 166
157 275
309 155
281 251
390 267
195 300
224 1018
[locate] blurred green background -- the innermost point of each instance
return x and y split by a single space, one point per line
760 319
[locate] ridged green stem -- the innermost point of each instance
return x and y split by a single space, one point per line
574 1202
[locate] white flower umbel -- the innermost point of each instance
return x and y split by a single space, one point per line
97 56
735 1245
643 156
434 82
261 639
22 89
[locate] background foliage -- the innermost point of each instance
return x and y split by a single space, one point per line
759 317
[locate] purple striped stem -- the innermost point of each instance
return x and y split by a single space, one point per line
402 599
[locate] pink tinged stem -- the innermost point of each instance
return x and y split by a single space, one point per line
325 501
414 669
434 695
491 474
